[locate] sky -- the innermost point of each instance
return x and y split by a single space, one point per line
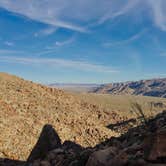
83 41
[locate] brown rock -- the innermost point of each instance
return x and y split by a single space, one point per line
102 157
45 163
155 146
120 160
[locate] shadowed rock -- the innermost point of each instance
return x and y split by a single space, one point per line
48 141
67 145
10 162
102 157
121 124
156 146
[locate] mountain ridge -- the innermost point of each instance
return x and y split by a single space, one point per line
150 87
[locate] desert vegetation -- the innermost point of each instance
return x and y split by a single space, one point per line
123 104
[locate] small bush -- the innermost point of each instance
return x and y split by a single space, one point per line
138 110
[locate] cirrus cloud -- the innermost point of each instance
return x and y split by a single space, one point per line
78 14
57 62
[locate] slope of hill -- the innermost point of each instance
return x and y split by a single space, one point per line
154 87
144 145
25 107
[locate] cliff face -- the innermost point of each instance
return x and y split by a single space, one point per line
154 87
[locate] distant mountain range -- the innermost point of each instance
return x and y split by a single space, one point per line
153 87
76 87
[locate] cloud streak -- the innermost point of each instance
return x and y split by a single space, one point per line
7 52
42 11
121 10
158 13
66 42
62 63
8 43
127 41
46 31
77 15
61 43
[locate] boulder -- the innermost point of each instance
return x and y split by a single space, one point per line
102 157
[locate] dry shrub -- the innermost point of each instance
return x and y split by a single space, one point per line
139 112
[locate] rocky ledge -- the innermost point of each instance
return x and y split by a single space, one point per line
144 145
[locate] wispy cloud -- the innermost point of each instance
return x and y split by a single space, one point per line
44 52
158 13
7 52
46 31
76 15
8 43
55 62
155 75
61 43
118 10
40 10
127 41
65 42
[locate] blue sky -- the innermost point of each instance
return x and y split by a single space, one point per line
76 41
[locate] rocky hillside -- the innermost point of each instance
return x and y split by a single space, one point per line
144 145
154 87
25 107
